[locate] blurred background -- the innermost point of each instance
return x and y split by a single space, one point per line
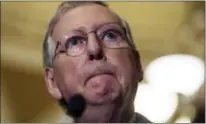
170 38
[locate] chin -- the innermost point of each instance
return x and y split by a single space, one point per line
111 98
98 114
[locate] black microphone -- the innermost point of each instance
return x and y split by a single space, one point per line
75 105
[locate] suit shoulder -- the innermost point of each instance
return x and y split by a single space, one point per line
141 119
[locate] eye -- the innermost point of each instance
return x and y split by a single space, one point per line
75 45
112 36
75 42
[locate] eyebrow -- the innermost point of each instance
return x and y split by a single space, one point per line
83 29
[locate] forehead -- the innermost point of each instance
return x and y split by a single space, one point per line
89 16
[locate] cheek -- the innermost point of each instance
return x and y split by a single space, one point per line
66 77
122 60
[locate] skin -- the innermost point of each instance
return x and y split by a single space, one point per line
109 96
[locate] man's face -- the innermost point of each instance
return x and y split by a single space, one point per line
102 75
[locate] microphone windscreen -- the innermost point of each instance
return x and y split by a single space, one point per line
76 105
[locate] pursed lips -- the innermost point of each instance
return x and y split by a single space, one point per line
98 73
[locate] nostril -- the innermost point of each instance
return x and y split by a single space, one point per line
99 56
91 57
96 57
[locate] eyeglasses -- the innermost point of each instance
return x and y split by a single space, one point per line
110 35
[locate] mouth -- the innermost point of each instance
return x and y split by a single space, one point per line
100 87
97 73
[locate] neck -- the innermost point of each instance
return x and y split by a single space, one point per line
127 114
106 114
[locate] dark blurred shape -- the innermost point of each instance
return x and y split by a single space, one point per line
200 116
199 102
75 106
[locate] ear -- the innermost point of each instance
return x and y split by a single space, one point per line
138 66
51 83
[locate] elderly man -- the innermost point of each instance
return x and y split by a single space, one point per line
88 50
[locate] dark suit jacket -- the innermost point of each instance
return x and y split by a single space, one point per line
140 119
137 119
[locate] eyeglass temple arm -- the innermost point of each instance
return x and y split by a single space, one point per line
56 49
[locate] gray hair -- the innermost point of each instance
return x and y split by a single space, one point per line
48 45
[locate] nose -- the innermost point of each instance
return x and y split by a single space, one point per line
95 50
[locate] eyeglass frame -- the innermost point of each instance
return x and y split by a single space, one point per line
59 43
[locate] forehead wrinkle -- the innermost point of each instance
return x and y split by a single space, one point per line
68 18
83 29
